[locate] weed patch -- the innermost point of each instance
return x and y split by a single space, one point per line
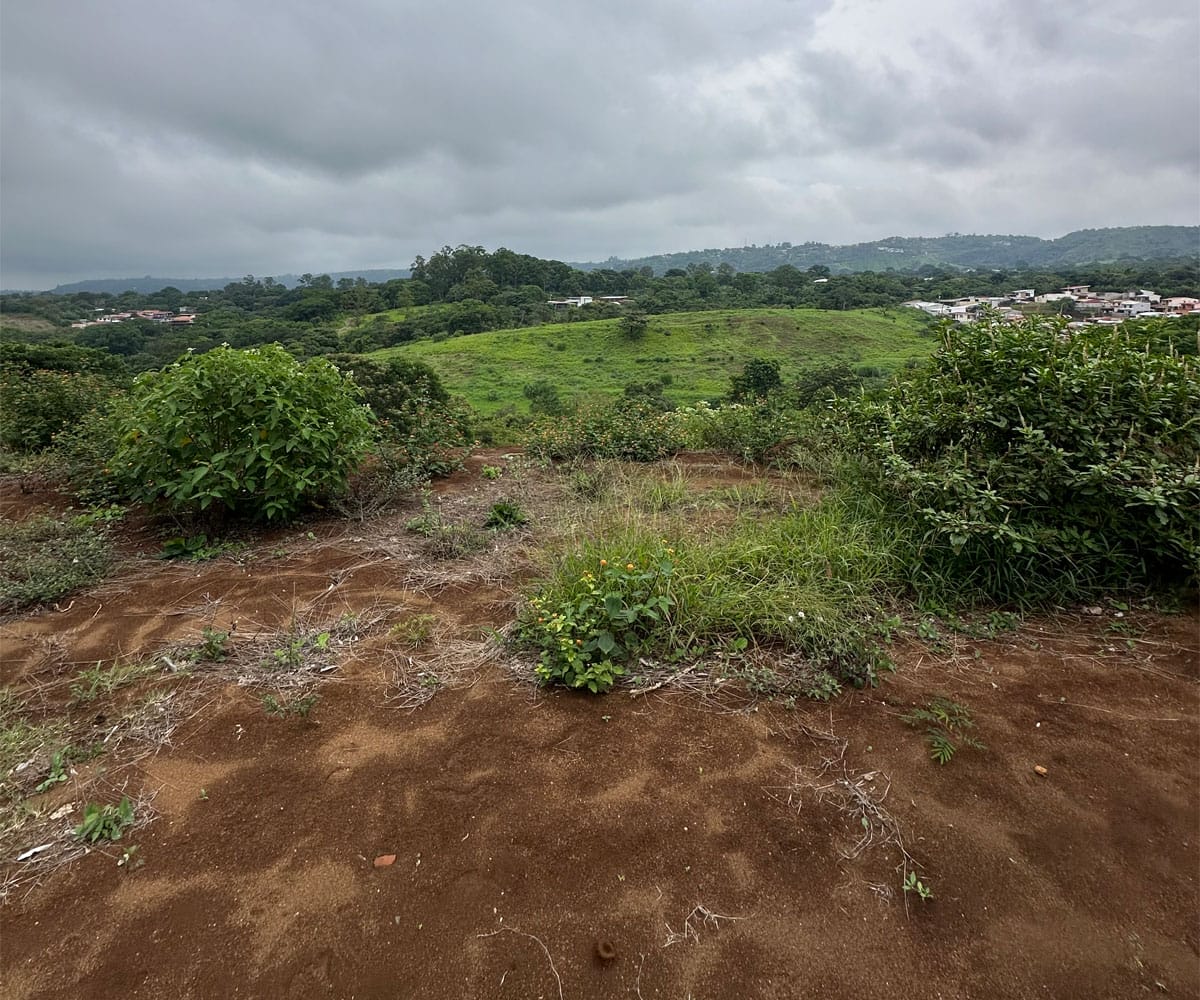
45 558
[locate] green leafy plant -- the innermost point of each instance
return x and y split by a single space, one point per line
420 427
506 515
105 822
197 548
947 726
251 432
491 472
1039 464
634 431
59 772
214 646
913 884
35 405
587 636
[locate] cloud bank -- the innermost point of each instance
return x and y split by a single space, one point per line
225 138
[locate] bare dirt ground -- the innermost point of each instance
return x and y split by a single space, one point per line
682 843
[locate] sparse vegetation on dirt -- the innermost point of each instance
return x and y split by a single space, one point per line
691 674
45 558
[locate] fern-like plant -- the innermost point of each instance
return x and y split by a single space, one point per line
947 726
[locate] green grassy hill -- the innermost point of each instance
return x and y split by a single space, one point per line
699 350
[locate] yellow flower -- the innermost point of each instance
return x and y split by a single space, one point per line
603 562
629 566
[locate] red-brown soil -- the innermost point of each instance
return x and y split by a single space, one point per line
534 831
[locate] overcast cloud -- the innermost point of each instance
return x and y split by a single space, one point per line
224 138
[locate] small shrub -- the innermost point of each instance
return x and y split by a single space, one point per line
414 631
37 403
96 681
758 379
214 646
252 432
301 706
751 432
1040 464
587 636
632 431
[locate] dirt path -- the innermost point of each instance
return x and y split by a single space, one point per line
553 845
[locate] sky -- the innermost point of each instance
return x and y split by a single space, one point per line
228 138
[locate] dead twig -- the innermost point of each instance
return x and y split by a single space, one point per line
704 917
532 937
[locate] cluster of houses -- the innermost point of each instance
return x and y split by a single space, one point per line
1088 306
185 317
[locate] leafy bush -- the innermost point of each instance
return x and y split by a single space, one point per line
588 634
35 405
758 379
631 430
44 558
82 454
1041 464
749 431
253 432
420 424
544 398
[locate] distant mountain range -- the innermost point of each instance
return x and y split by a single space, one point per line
907 253
900 253
148 284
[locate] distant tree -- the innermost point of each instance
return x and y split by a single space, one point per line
758 379
633 324
544 398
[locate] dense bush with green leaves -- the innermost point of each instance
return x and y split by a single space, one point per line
420 425
1039 462
752 431
632 430
251 432
36 404
758 379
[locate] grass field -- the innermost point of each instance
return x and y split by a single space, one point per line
698 350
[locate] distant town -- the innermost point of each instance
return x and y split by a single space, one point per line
184 317
1077 301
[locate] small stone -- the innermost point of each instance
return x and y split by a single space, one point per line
1038 769
384 860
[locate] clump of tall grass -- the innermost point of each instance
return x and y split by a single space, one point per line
808 582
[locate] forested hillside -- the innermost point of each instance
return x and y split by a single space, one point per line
1086 246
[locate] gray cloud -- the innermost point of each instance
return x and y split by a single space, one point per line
221 138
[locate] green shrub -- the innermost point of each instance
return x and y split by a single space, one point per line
421 425
1040 464
82 454
758 379
45 558
35 405
589 633
252 432
629 430
751 432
